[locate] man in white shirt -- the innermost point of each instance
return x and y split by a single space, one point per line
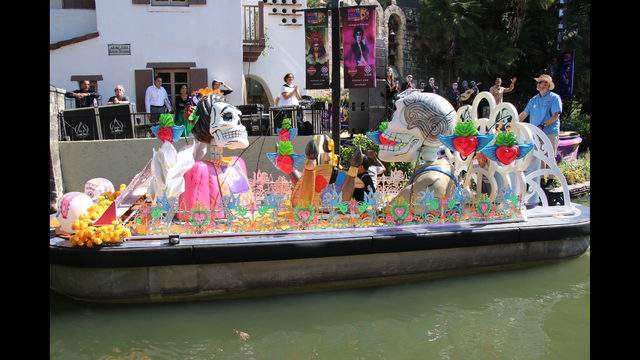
156 100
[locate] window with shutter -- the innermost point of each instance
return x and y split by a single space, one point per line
198 79
143 79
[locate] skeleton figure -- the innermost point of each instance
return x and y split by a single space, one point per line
208 181
412 136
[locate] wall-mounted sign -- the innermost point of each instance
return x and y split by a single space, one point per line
119 49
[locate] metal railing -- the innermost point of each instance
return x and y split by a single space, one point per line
253 24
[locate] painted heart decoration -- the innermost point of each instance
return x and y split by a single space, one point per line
284 135
165 134
285 163
484 208
199 218
465 144
304 216
400 212
507 154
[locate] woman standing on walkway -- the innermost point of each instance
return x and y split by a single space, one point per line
181 102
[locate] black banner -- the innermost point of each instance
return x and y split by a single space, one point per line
115 121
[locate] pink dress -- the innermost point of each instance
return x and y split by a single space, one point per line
205 181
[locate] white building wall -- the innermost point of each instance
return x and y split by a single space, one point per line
286 53
209 35
65 24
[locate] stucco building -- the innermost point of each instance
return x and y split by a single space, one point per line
248 44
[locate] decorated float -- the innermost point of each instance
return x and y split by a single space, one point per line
196 226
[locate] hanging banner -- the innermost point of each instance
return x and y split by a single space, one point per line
317 58
359 46
563 78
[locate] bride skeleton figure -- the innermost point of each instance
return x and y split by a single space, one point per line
209 181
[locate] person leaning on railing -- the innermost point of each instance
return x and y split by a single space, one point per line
84 97
119 97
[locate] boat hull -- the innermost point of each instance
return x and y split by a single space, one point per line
241 266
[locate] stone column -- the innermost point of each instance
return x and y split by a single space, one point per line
56 104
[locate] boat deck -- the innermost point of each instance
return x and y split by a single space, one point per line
555 223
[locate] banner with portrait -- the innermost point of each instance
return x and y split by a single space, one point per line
316 43
359 46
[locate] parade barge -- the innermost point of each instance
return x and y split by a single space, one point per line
211 231
224 266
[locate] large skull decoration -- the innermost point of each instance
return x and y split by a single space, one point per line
418 120
225 127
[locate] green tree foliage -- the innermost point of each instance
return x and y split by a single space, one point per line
481 40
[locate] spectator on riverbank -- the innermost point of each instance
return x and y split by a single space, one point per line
84 97
119 97
369 185
497 90
217 90
409 83
181 102
432 88
375 167
156 100
544 111
454 95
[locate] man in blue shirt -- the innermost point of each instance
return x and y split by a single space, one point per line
544 112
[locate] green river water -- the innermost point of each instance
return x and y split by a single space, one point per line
535 313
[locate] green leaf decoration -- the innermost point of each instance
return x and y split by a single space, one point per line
242 211
263 210
362 207
284 148
383 126
286 123
343 207
465 128
435 204
506 139
166 120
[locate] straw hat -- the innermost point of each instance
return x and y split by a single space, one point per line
546 78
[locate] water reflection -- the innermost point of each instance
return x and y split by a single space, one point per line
540 312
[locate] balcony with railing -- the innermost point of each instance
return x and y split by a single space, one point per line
253 42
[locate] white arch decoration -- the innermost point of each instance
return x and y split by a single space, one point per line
512 175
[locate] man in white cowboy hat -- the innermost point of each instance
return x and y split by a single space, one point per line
544 111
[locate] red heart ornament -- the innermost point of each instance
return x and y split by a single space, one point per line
321 183
284 135
285 163
165 134
506 154
304 215
465 144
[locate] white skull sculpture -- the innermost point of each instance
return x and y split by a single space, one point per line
225 126
418 120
